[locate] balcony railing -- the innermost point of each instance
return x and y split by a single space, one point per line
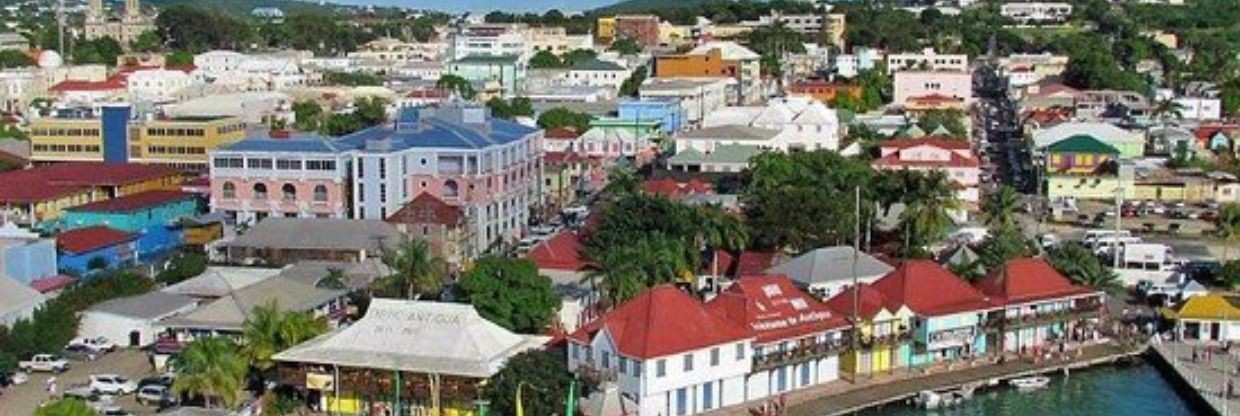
895 338
799 354
1018 322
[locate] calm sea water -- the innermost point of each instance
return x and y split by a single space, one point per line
1136 390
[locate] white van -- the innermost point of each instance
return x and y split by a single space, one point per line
1092 235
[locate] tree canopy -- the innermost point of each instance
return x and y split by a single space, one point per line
544 382
778 187
562 117
511 293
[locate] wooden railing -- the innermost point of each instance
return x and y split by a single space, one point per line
1018 322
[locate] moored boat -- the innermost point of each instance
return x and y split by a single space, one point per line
1030 383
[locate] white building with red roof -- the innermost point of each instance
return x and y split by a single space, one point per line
797 339
953 157
668 352
949 312
1039 306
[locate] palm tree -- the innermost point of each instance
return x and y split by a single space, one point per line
1000 208
1228 227
417 270
624 271
269 330
1167 110
334 280
721 231
927 209
213 368
1079 264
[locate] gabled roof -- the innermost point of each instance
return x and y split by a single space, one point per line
597 65
671 188
1213 306
561 133
229 312
729 50
1027 280
50 181
17 300
773 309
1082 143
1105 132
138 201
662 321
560 252
869 302
732 132
86 239
319 234
427 209
148 306
956 161
830 264
941 142
929 289
728 153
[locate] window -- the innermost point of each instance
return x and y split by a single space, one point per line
804 374
258 163
230 190
714 357
637 368
320 193
289 192
740 351
260 191
688 362
606 359
708 396
450 189
682 401
660 368
285 164
575 350
624 365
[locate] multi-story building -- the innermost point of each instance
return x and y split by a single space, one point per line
156 84
849 65
696 96
124 30
1036 12
488 40
718 60
823 91
643 29
667 351
1040 307
949 313
1029 69
806 24
596 73
391 50
952 157
181 142
555 39
910 85
497 74
490 168
927 60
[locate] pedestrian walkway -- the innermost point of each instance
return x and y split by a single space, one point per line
1206 373
842 397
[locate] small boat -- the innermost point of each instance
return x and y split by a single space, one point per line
1030 383
929 400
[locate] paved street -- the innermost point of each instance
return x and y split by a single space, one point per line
24 399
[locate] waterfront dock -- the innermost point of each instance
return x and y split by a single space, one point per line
842 397
1202 380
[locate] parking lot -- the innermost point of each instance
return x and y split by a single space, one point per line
24 399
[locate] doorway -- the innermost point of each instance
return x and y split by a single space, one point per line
135 338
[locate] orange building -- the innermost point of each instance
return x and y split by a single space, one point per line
822 90
710 64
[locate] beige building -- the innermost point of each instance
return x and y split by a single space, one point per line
124 28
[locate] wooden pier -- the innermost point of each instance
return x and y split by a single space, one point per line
1203 381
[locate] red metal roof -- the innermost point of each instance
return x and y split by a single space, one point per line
560 252
86 239
773 309
135 202
1028 280
670 188
934 99
50 181
427 209
52 284
755 262
561 133
941 142
869 302
662 321
956 161
114 82
929 289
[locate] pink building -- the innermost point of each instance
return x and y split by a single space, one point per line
913 84
280 177
951 156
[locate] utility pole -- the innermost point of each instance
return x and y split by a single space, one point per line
1119 211
60 23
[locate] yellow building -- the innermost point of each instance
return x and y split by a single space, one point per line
180 142
606 30
40 195
670 34
833 26
883 344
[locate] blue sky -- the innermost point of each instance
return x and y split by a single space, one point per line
484 6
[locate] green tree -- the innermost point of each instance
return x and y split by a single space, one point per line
1001 245
146 42
194 29
212 368
510 109
370 111
632 85
102 51
307 115
334 280
416 271
340 124
1083 267
511 293
65 407
352 79
625 46
179 58
545 59
1227 226
182 266
952 120
999 210
457 85
779 186
577 56
14 59
543 378
269 329
562 117
1230 275
929 199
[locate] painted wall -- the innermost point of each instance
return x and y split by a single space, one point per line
133 221
115 255
29 260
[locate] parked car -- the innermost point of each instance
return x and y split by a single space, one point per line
155 395
114 411
81 353
18 378
112 384
164 380
99 344
44 362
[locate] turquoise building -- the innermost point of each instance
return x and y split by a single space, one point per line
504 75
152 216
24 255
949 314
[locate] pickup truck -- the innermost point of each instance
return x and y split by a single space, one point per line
44 362
97 344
